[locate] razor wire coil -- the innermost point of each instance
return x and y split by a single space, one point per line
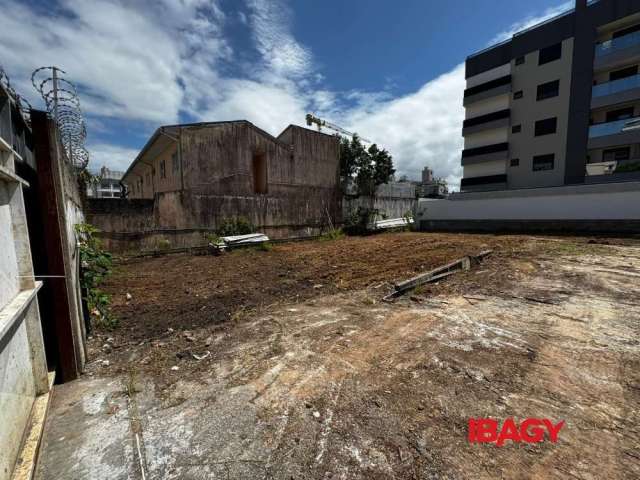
63 104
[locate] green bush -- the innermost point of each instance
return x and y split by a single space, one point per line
357 222
265 247
333 234
164 244
235 226
628 167
95 267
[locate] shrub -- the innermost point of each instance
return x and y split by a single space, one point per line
95 267
333 234
235 226
164 244
358 222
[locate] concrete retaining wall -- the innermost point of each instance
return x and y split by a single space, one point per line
610 208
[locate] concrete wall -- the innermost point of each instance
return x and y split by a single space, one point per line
219 179
392 200
604 208
23 369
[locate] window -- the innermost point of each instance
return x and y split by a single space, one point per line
259 167
519 60
543 162
516 129
623 73
174 162
626 31
515 162
550 54
546 126
518 95
548 90
620 114
163 171
614 154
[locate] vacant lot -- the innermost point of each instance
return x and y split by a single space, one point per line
285 364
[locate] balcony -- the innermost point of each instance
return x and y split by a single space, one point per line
617 91
485 183
611 134
616 44
617 51
499 86
487 153
489 121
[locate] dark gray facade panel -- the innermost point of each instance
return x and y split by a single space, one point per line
613 178
616 140
543 36
487 157
527 226
491 58
494 92
557 30
501 123
580 100
489 187
615 98
607 11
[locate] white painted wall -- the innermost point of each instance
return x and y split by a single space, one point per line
594 202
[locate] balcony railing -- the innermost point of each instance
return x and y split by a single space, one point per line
612 128
616 86
616 44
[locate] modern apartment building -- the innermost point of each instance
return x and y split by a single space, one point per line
556 104
108 185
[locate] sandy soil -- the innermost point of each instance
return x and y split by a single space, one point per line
279 377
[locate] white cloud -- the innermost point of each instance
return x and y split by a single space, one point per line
159 61
419 129
125 64
114 157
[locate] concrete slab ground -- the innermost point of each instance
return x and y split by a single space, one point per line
347 387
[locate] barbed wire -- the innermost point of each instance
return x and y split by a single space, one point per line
24 107
63 104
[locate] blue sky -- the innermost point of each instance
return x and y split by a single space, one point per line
391 71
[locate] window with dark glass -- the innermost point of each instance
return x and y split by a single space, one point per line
623 73
619 114
518 95
550 54
163 172
543 162
615 154
626 31
516 129
515 162
548 90
546 126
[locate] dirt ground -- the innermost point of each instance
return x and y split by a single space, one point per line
286 364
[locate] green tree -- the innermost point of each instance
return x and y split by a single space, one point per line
366 168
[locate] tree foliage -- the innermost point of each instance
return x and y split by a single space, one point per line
365 168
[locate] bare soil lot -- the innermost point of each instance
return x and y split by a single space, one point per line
286 365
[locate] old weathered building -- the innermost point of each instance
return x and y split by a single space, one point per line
189 178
